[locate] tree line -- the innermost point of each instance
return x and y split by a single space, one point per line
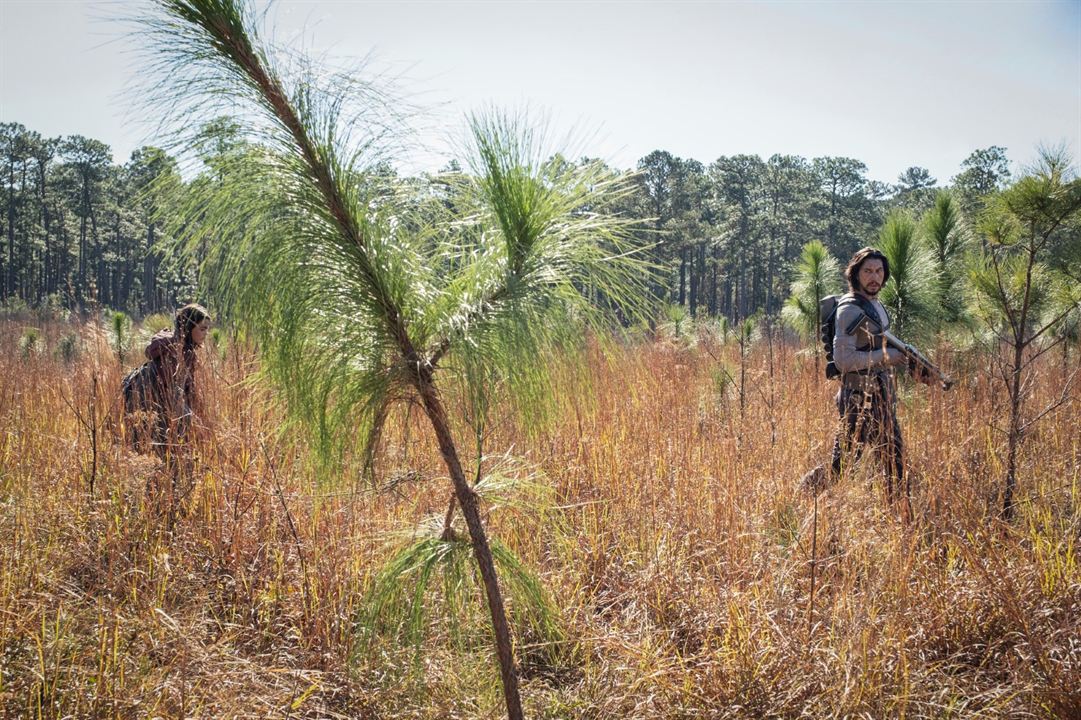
78 228
730 233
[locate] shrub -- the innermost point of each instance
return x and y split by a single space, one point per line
68 347
31 342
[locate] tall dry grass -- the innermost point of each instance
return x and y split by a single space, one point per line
676 545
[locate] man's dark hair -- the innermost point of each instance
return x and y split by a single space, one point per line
852 272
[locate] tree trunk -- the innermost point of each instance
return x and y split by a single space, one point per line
82 243
1014 436
713 283
1020 342
467 501
25 285
46 275
833 217
8 276
741 282
62 274
149 270
772 255
682 277
114 275
701 273
99 254
693 252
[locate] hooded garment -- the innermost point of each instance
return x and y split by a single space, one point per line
174 367
162 390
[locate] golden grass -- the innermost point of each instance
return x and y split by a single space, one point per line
677 548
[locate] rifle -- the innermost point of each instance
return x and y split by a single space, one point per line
916 359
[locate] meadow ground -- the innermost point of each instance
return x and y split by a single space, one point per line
672 539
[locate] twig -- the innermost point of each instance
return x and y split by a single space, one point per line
289 519
814 554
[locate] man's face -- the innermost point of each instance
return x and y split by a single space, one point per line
871 276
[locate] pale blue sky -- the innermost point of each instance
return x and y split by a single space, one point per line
892 84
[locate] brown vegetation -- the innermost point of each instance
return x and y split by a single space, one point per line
677 547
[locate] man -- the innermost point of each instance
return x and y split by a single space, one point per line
867 400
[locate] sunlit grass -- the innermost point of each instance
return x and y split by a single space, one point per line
673 543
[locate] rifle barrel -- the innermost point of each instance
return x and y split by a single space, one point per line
945 380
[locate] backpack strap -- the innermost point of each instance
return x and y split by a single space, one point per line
830 308
867 308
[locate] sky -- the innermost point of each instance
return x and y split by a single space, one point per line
893 84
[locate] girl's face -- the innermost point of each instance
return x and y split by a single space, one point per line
198 333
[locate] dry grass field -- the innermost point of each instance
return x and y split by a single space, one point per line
671 536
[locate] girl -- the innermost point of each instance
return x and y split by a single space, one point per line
163 390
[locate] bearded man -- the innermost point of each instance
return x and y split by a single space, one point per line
867 400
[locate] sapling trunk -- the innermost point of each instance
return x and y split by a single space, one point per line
814 561
1013 439
817 332
467 501
92 427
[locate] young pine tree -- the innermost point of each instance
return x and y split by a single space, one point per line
909 293
944 236
1015 288
361 290
817 274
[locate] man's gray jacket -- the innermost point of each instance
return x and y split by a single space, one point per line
860 351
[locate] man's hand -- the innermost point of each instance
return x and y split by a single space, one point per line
920 372
923 375
894 357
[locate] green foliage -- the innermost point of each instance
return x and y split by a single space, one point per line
218 341
14 307
944 236
723 238
156 322
68 348
817 274
915 189
528 250
1017 283
1000 289
399 600
722 329
120 335
983 173
488 291
434 565
1063 311
846 207
723 378
365 290
1023 285
677 325
747 331
909 293
31 342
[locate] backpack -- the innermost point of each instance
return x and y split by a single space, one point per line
828 308
140 388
